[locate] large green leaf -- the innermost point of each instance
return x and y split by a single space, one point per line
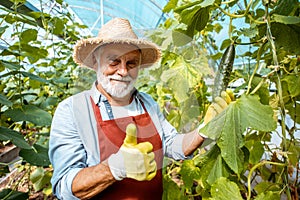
212 167
229 126
30 113
217 170
175 75
5 101
34 77
38 155
225 189
170 6
33 53
285 7
13 195
40 178
269 195
15 137
172 190
58 25
293 82
189 173
28 36
10 65
196 19
180 37
256 150
3 29
286 19
280 32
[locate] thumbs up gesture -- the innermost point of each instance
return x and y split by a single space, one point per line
133 160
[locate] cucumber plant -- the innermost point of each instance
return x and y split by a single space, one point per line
256 152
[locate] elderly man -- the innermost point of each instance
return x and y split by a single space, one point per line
109 142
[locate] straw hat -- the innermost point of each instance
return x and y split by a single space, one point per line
117 30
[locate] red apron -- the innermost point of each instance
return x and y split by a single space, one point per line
111 134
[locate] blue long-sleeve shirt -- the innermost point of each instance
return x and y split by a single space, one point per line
74 140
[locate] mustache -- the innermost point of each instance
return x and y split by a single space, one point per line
120 78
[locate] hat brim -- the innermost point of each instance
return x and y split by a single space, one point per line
84 49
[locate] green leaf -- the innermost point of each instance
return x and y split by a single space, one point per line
30 113
5 101
196 19
15 137
294 111
175 75
34 77
4 170
269 195
286 19
263 91
293 82
10 65
293 152
13 195
264 186
171 190
280 31
285 7
33 53
207 3
189 173
170 6
37 156
3 29
230 124
212 167
256 150
216 170
225 189
28 36
180 37
58 25
225 44
245 112
249 32
186 6
40 178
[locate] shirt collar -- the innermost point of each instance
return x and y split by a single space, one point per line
97 96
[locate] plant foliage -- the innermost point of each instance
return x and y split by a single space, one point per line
252 154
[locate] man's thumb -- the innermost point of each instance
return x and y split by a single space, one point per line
130 134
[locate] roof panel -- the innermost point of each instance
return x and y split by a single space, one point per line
143 14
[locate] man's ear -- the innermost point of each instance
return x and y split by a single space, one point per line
95 64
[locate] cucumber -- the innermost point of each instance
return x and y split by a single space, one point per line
223 73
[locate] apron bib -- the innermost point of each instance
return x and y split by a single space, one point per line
111 134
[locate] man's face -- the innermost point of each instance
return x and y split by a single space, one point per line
119 66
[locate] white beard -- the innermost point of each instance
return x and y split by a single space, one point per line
118 89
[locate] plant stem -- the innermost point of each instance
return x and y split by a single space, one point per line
254 168
233 15
281 105
256 66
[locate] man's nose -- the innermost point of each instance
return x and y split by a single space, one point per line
122 69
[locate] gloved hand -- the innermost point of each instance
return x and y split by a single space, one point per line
133 160
219 104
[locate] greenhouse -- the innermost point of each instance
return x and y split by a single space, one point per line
150 99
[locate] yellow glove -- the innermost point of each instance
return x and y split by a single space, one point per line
133 160
219 104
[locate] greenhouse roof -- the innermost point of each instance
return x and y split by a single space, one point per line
143 14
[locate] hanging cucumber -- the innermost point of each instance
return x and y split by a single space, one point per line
223 73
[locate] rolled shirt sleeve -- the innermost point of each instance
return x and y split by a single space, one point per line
66 151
